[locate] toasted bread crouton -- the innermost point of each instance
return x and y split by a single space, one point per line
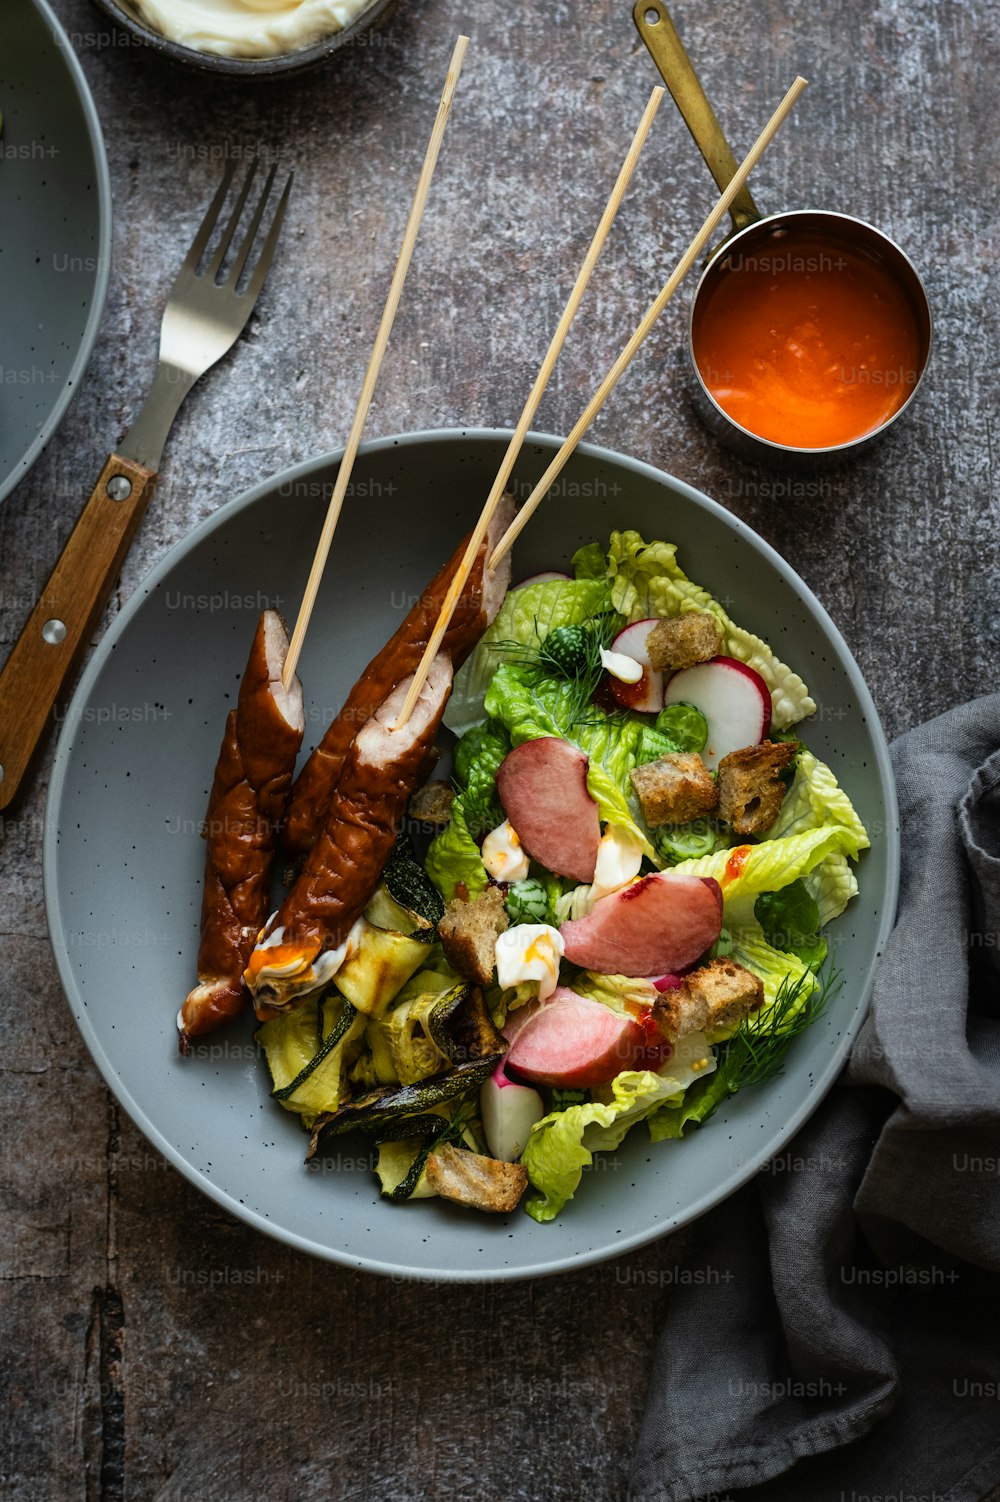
674 789
431 804
683 640
719 994
473 1180
750 785
469 932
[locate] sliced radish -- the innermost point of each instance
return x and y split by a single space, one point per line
646 696
668 982
657 926
548 577
509 1111
573 1043
543 788
734 699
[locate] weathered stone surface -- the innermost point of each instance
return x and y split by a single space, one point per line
158 1348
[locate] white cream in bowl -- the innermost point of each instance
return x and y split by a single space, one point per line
248 28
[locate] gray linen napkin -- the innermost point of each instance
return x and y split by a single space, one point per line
850 1348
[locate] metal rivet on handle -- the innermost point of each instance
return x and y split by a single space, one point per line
54 632
119 487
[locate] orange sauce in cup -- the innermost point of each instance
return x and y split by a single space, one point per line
806 341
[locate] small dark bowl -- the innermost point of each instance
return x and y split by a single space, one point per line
282 66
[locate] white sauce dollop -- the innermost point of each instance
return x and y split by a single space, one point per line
248 28
530 951
625 669
503 854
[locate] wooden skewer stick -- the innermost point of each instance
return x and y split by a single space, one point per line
625 358
530 408
375 363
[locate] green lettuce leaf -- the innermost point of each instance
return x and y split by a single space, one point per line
768 867
526 617
454 857
833 884
589 562
815 799
790 921
700 1100
563 1143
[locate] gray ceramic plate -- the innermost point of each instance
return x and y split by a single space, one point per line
123 858
55 231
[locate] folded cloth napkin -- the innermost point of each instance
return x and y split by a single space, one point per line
849 1347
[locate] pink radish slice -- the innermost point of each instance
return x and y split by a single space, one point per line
543 788
545 578
647 695
574 1043
734 699
658 925
519 1019
668 982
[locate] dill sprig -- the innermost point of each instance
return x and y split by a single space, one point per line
580 684
756 1051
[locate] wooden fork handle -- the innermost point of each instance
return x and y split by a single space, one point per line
39 670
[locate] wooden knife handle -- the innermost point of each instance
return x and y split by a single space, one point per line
38 671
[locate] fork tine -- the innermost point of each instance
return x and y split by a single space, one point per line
209 222
214 265
251 233
267 253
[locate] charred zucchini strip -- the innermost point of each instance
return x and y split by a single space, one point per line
409 885
327 1044
376 1109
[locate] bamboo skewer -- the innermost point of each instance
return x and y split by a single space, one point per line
623 361
375 363
530 408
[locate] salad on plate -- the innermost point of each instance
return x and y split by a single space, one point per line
618 920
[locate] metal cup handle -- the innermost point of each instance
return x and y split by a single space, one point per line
667 51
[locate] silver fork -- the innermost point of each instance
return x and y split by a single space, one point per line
206 312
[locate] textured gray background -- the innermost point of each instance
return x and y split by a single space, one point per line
158 1348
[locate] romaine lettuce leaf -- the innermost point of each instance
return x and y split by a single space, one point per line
526 616
700 1100
563 1143
589 562
747 870
815 799
833 884
790 921
454 857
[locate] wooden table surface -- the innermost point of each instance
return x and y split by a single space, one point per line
158 1348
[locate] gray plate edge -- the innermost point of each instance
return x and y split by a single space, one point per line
96 314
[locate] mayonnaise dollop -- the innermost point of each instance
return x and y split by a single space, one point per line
248 28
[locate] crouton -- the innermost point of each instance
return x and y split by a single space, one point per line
717 995
431 804
683 640
469 932
674 789
471 1179
750 785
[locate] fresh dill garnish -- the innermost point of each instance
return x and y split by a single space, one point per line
582 671
756 1051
